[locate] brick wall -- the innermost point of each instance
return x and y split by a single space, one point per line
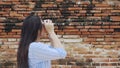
89 30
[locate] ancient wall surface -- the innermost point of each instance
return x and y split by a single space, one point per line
89 30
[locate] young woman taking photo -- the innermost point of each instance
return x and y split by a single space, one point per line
34 54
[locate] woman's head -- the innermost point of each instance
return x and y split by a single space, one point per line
31 27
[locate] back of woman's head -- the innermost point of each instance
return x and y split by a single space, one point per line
31 25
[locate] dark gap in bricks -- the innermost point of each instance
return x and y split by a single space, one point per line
8 63
91 5
104 64
24 2
114 64
118 64
106 19
38 5
89 8
115 14
9 27
6 5
116 29
83 63
13 20
96 64
100 1
10 24
65 12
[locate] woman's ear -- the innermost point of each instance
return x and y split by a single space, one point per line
43 32
39 33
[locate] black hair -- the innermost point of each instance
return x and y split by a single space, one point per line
31 25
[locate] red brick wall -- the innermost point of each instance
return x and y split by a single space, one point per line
91 33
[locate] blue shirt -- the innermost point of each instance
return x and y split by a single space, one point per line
40 55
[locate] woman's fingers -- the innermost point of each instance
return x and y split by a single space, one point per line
49 26
47 21
42 21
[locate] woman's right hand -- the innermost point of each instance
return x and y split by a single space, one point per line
49 26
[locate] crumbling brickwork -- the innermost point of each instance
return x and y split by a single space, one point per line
89 30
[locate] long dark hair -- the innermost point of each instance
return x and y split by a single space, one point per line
31 25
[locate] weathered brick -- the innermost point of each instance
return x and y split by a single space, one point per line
16 30
98 46
0 30
72 8
49 5
100 59
70 30
85 33
115 18
2 19
83 30
101 5
1 43
7 3
3 39
109 39
59 0
13 47
15 14
96 11
96 36
4 47
95 43
83 40
69 27
114 26
73 40
108 47
114 59
90 39
95 27
62 33
100 39
102 14
73 33
71 36
11 39
115 11
97 33
10 43
105 27
11 33
79 27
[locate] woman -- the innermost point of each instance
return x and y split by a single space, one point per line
34 54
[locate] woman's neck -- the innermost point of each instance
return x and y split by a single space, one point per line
38 39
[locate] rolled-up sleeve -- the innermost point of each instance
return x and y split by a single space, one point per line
46 52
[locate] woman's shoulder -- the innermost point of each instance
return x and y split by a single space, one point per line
38 45
34 43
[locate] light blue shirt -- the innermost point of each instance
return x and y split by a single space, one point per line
40 55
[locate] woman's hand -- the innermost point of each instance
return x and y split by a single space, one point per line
49 26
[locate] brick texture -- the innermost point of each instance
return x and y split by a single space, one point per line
89 30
